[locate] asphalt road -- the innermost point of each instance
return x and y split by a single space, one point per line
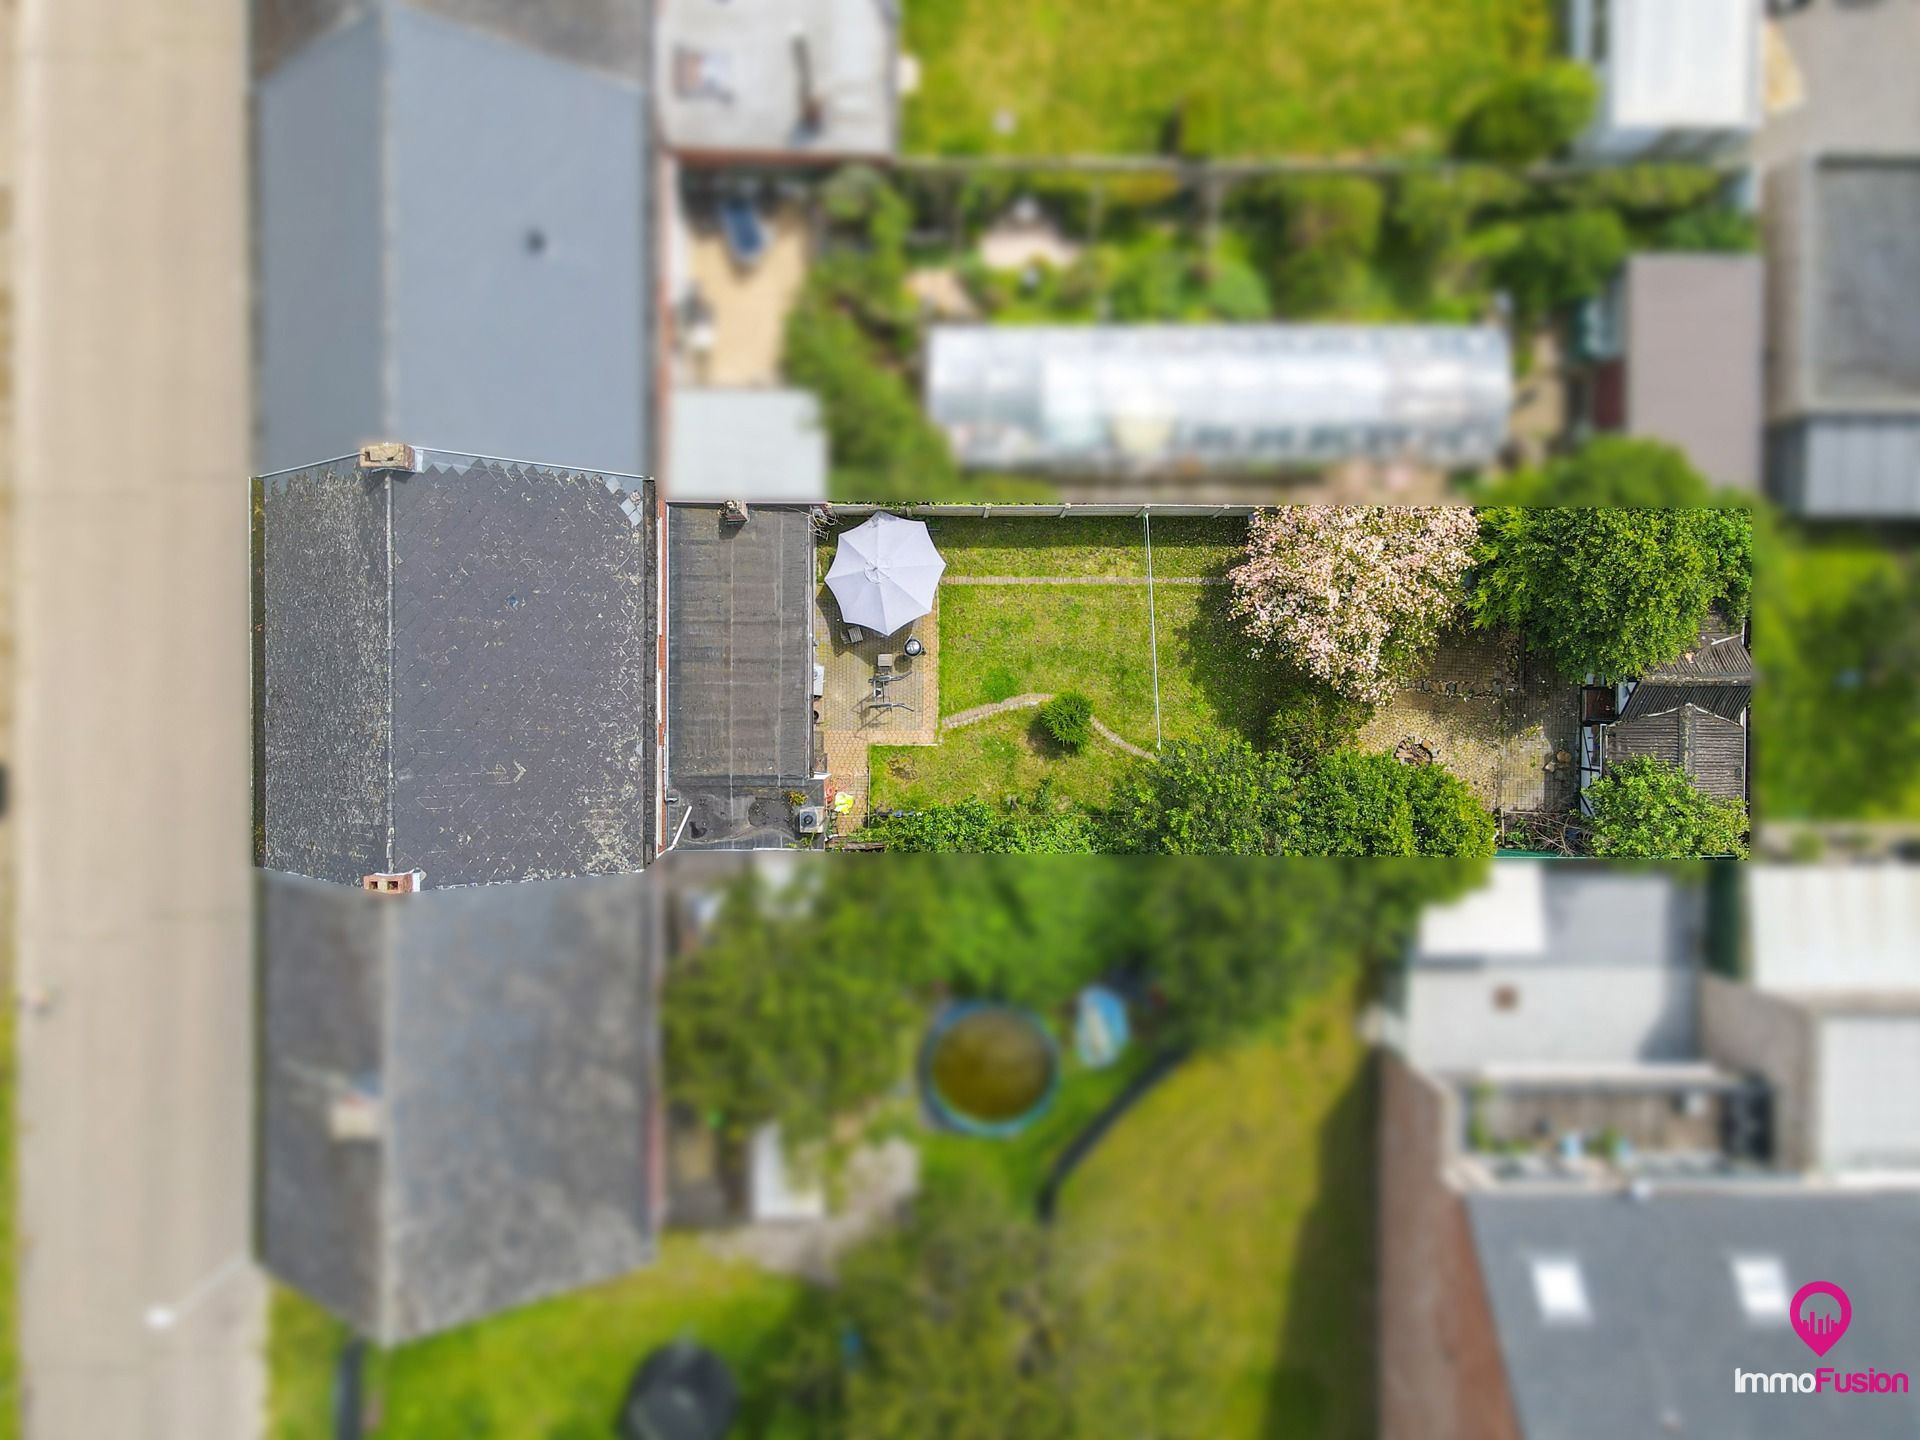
130 827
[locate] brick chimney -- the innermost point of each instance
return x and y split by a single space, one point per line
401 882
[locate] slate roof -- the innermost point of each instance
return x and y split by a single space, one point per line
502 1040
1711 749
1716 675
458 673
1667 1329
739 671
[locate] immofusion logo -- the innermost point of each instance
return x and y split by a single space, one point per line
1820 1314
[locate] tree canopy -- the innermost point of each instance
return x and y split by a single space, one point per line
1646 809
1609 591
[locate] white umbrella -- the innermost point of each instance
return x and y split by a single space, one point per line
884 573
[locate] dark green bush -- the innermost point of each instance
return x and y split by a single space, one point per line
1312 721
1205 797
1235 291
1609 591
1647 809
1712 230
1559 258
1645 191
975 827
1316 234
1352 803
1432 213
1530 117
1068 719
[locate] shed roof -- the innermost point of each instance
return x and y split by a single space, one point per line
1716 675
1710 748
458 672
1683 67
746 444
1832 929
1666 1326
1145 397
457 1095
732 81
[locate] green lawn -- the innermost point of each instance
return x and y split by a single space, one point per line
1237 1197
1000 641
551 1371
1320 77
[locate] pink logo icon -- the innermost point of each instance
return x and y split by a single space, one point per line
1820 1314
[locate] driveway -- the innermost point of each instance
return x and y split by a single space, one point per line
130 453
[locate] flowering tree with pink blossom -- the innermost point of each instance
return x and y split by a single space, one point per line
1353 595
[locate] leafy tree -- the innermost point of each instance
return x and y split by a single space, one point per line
1646 809
1353 596
1235 291
1432 212
1647 190
766 1022
1531 116
1624 472
1205 797
972 1322
1232 943
975 826
1712 229
1612 592
1353 803
1560 257
1068 718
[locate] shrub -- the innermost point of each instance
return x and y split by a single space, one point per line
1235 291
1531 116
1316 234
1155 282
1559 258
1068 719
1357 804
1313 720
1353 595
1647 809
880 440
1651 189
975 827
1432 213
1205 797
1715 229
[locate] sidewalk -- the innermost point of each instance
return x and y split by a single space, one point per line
129 455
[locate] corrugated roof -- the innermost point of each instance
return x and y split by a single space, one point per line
1710 748
1716 675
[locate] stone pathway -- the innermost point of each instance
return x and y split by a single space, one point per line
1028 702
1082 580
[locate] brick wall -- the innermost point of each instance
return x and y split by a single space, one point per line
1441 1376
1748 1030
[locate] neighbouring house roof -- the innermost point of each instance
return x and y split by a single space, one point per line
788 77
1716 675
451 235
746 445
1710 748
1144 397
458 672
1843 241
739 673
1566 964
1695 337
457 1095
1650 1321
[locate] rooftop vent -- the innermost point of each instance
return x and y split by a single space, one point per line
354 1115
809 819
1561 1291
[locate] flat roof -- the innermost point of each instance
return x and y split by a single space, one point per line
745 444
739 668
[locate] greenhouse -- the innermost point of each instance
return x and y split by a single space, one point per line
1138 399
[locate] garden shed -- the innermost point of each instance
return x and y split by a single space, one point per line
1147 398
